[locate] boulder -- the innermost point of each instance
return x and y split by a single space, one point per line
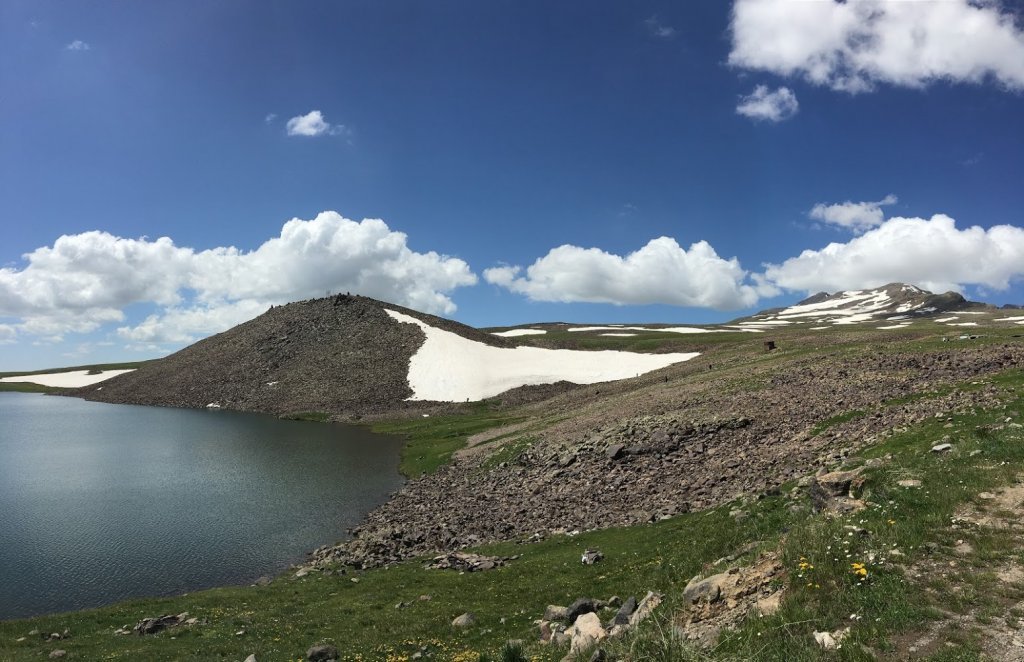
580 607
156 624
614 451
645 608
321 653
708 589
464 621
586 632
625 611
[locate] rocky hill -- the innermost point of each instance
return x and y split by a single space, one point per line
336 354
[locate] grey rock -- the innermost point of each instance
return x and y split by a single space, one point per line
614 451
708 589
942 448
580 607
625 611
57 654
251 658
464 621
322 653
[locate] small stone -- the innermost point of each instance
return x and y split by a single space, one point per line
59 653
251 658
987 496
614 451
240 633
464 621
585 633
825 640
301 573
354 580
942 448
591 556
909 482
322 653
599 655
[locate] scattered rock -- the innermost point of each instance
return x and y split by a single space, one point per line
464 562
321 653
464 621
579 607
625 611
158 623
708 589
645 608
586 632
831 641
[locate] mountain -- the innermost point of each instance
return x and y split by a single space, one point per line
896 304
351 355
336 354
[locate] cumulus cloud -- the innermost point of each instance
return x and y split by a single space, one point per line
765 104
313 124
78 45
852 46
660 272
855 216
930 253
87 280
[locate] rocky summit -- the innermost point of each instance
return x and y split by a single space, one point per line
341 354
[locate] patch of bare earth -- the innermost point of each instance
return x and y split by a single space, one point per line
991 595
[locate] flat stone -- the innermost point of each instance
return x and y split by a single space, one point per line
942 448
909 482
586 632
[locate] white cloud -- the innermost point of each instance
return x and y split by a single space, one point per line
855 216
85 281
270 117
852 46
658 29
774 106
930 253
660 272
78 45
313 124
7 334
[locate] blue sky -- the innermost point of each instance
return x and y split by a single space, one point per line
693 160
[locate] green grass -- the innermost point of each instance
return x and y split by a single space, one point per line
836 420
28 387
432 440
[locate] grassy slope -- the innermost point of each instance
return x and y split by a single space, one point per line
281 620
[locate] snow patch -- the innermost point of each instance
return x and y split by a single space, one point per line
73 379
450 368
512 333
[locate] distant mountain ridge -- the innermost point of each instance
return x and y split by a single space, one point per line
895 302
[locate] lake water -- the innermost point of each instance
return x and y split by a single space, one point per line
103 502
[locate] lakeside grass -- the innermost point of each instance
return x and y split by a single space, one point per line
430 441
281 620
